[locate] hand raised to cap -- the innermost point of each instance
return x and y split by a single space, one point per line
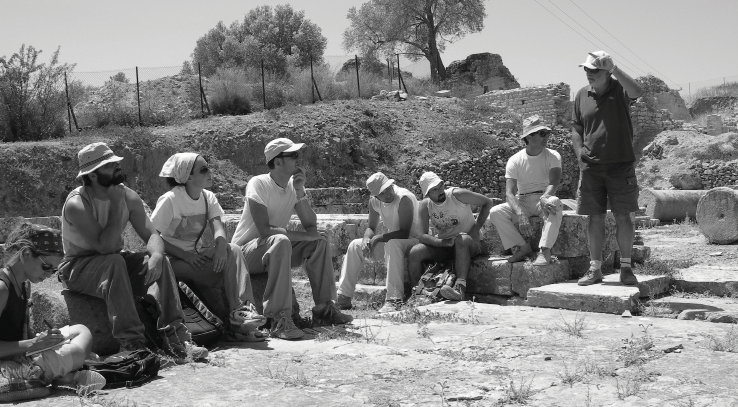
604 62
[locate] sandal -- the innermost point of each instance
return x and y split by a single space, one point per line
246 315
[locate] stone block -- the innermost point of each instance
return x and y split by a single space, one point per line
605 298
63 307
526 276
489 276
648 286
716 280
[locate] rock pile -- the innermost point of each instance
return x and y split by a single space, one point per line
716 173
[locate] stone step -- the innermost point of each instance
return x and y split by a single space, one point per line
610 297
495 275
715 280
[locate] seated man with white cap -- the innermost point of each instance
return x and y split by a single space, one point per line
397 208
449 211
532 176
269 247
93 218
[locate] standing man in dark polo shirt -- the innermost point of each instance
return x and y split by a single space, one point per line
602 138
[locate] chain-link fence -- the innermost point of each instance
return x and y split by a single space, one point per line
723 86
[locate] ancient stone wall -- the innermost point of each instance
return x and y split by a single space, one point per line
717 173
551 102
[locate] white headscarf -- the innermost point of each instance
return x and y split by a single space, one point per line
179 166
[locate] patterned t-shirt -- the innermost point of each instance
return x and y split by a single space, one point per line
180 219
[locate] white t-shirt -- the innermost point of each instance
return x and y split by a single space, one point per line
180 219
389 212
280 203
531 172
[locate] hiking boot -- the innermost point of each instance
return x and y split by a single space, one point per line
330 315
627 277
246 318
188 351
343 302
453 294
593 276
390 306
284 328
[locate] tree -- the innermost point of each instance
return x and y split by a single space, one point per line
418 28
120 77
32 101
279 36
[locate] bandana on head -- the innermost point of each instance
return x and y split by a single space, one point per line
46 239
179 166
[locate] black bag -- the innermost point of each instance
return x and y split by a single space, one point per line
205 328
127 369
436 276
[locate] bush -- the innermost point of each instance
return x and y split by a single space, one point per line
32 100
230 92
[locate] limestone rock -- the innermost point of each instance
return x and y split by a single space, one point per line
689 181
483 69
605 298
490 277
639 254
526 276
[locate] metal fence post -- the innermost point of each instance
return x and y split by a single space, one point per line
263 86
312 79
389 74
138 98
199 78
358 86
69 114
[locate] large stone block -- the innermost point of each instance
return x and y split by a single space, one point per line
489 276
605 298
526 276
716 280
63 307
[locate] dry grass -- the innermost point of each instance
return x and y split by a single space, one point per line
574 328
727 342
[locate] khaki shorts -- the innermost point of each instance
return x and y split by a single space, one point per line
600 184
51 364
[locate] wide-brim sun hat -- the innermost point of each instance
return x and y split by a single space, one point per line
428 181
279 146
533 124
377 183
94 156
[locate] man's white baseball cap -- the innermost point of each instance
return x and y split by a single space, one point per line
279 146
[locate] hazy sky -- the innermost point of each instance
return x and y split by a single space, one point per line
682 40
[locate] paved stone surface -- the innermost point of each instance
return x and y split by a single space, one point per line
716 280
526 276
608 297
382 363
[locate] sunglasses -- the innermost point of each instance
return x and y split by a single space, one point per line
590 70
49 268
293 154
204 170
541 133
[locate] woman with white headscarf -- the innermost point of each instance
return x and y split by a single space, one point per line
180 217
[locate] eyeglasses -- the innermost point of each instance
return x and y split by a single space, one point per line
590 70
293 155
47 267
541 133
204 170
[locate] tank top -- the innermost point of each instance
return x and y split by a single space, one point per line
452 217
13 318
74 244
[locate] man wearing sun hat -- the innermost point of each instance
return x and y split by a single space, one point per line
449 211
532 176
93 219
269 247
602 138
397 209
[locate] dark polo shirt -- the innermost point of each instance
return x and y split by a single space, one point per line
608 130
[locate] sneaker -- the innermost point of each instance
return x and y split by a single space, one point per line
593 276
84 381
627 277
188 351
453 294
343 302
246 317
541 260
286 329
390 306
330 315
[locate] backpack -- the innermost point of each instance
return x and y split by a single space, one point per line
205 328
436 276
127 369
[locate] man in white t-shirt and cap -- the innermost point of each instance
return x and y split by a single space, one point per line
397 208
449 211
269 247
532 177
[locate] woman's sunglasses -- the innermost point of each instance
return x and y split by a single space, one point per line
47 267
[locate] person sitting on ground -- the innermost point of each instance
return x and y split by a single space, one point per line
449 211
93 219
532 177
269 247
181 216
32 254
397 208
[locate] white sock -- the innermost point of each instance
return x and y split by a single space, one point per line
596 264
625 261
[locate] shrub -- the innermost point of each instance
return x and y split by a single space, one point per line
230 92
32 100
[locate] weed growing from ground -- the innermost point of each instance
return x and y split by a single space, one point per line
727 342
474 354
367 335
423 331
575 328
444 402
413 315
629 386
636 349
570 377
298 378
517 393
653 309
658 267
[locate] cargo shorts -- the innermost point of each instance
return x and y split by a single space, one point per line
600 184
